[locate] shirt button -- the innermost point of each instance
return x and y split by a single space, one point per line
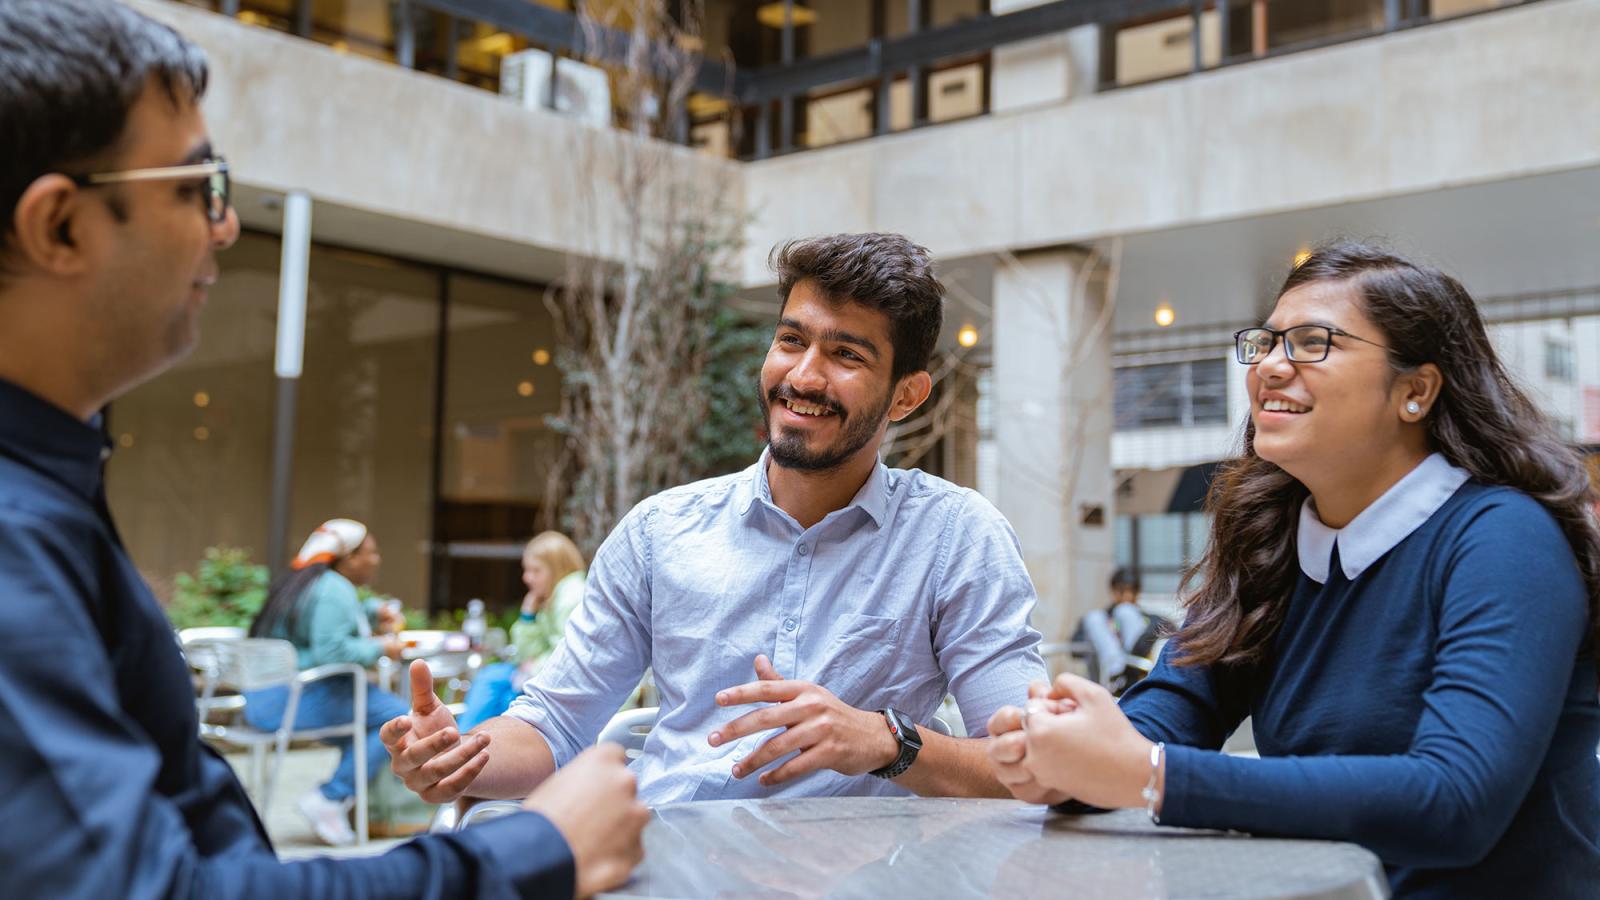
803 550
790 624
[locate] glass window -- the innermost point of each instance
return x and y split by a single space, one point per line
949 12
362 27
835 25
1148 396
1162 547
499 453
1208 392
193 460
364 429
1444 9
1122 540
1292 22
1558 362
1171 394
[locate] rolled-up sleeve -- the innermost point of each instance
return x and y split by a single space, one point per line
90 800
605 649
982 633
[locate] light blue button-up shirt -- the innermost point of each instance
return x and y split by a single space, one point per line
914 590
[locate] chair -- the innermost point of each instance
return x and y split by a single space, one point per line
629 728
252 664
203 663
1059 654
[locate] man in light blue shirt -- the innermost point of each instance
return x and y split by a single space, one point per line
801 617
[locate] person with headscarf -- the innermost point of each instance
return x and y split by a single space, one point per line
316 607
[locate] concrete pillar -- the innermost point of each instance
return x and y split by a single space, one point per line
1046 70
1052 392
288 361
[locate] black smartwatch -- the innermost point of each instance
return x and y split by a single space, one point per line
905 733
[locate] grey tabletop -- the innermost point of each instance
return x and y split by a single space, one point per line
898 848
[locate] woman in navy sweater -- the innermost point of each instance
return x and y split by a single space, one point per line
1401 590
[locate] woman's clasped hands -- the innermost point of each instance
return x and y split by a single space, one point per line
1070 741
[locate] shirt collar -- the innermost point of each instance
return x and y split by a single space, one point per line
872 499
1377 529
45 437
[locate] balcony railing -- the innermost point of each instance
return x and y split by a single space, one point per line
884 85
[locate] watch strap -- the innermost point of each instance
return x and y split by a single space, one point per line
909 744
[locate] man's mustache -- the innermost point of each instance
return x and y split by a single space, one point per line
790 395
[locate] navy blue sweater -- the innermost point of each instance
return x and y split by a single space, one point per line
1440 709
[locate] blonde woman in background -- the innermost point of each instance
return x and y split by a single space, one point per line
553 572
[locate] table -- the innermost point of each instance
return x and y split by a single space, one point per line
892 847
448 654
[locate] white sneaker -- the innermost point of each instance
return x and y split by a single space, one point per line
328 817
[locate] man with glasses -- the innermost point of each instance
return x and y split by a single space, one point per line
115 207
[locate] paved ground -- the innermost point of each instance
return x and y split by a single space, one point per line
291 834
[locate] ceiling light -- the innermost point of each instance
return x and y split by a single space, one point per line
202 399
967 336
525 388
497 44
1165 315
541 357
706 105
771 15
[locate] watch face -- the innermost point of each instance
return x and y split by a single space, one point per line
903 728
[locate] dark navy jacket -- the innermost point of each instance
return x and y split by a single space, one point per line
105 788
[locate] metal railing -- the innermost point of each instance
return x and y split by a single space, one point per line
769 94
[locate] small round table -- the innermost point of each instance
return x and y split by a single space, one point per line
877 847
448 654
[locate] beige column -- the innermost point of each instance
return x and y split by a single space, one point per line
1052 424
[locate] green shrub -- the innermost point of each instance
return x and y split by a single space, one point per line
225 589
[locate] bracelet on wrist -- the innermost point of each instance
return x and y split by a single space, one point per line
1152 790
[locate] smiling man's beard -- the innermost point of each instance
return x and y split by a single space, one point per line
790 451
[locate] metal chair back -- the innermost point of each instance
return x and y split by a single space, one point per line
251 664
630 728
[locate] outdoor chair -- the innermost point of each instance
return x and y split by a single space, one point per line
252 664
203 663
628 728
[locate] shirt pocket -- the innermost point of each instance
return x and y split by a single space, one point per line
859 662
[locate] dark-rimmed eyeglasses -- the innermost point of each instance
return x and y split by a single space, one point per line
215 197
1302 343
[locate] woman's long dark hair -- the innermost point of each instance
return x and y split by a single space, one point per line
284 606
1482 422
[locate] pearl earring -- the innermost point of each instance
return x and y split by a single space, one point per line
1413 407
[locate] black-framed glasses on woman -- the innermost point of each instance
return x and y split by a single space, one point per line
1302 343
215 197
